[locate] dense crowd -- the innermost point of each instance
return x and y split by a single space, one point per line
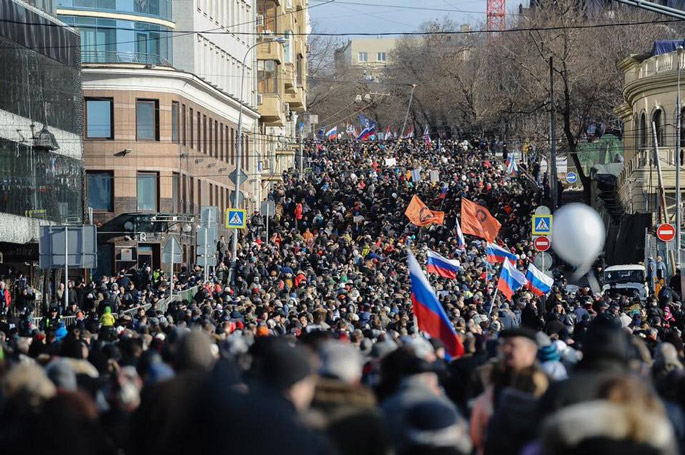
313 346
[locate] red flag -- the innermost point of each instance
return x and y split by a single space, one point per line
477 220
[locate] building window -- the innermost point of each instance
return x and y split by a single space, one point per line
380 56
191 129
199 131
643 132
99 118
175 202
268 10
657 124
147 191
267 76
363 57
147 120
300 70
183 124
288 47
204 133
100 194
174 122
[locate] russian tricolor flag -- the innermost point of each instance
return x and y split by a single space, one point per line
512 168
430 315
510 280
332 134
538 282
460 236
366 134
497 255
440 265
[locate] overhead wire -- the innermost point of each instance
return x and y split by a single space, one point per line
378 34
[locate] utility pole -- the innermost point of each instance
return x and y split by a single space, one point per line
301 157
678 202
552 139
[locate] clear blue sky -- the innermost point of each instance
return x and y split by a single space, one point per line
380 16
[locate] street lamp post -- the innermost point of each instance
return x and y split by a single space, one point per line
678 214
239 148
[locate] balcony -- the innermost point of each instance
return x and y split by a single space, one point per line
153 8
270 51
289 78
296 99
123 57
271 110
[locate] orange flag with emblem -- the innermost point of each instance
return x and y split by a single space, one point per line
420 215
476 220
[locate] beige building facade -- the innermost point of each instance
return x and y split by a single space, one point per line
649 111
370 55
281 84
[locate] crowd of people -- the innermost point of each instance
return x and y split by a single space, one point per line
312 346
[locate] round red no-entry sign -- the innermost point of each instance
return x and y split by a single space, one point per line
665 232
542 243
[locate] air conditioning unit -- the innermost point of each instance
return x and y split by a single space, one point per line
259 98
286 108
260 21
269 66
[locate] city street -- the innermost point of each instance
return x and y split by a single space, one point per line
337 227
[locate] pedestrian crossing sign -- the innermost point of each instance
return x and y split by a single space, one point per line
542 224
236 219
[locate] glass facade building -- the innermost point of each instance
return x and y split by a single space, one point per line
41 118
106 38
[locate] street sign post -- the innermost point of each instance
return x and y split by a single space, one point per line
543 261
542 225
542 243
666 232
170 255
543 210
268 209
235 175
68 247
236 219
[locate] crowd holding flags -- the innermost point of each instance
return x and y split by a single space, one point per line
512 168
388 133
461 243
410 133
332 134
430 315
495 254
366 134
427 137
510 280
441 266
351 130
420 215
477 220
538 282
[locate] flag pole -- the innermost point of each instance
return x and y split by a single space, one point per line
494 297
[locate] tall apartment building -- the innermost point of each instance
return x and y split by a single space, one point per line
41 167
161 115
281 83
225 38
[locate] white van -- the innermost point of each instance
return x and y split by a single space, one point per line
630 280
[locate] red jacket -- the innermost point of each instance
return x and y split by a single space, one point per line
8 298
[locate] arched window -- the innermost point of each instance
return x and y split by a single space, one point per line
657 124
642 132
